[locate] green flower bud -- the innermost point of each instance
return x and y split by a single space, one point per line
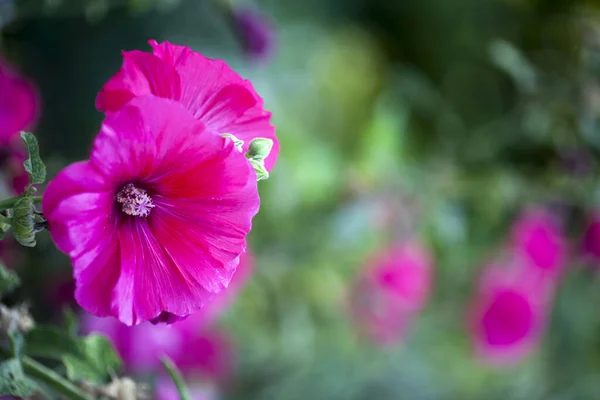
23 221
259 149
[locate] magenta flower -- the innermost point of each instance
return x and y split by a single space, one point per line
538 238
18 102
394 288
255 32
156 221
209 89
508 315
193 347
591 239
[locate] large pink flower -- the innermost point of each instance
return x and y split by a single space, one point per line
395 286
209 89
508 314
18 102
155 222
195 348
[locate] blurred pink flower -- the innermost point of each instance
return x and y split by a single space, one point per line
211 91
193 347
538 238
255 32
395 286
508 314
156 221
591 239
18 102
165 390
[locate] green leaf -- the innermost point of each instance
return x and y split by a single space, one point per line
71 322
99 360
259 149
23 221
13 381
34 164
175 375
259 168
52 343
9 281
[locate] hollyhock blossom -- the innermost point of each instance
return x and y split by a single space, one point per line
508 314
255 32
395 286
193 347
155 222
212 92
591 239
538 238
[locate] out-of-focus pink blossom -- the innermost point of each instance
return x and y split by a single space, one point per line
538 238
255 32
508 314
193 347
18 102
394 287
591 239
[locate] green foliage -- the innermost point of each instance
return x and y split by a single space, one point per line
13 381
33 164
23 221
97 361
90 358
9 280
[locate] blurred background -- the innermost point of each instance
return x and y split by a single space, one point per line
429 231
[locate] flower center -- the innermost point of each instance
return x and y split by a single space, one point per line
134 201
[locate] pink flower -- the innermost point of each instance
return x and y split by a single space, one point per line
394 288
591 239
538 238
209 89
155 222
508 314
18 102
193 347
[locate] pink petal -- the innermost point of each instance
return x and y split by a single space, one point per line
141 74
220 97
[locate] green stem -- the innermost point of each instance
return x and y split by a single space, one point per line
52 379
5 220
10 203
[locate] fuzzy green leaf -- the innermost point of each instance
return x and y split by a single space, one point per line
9 281
23 221
34 164
98 362
13 381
